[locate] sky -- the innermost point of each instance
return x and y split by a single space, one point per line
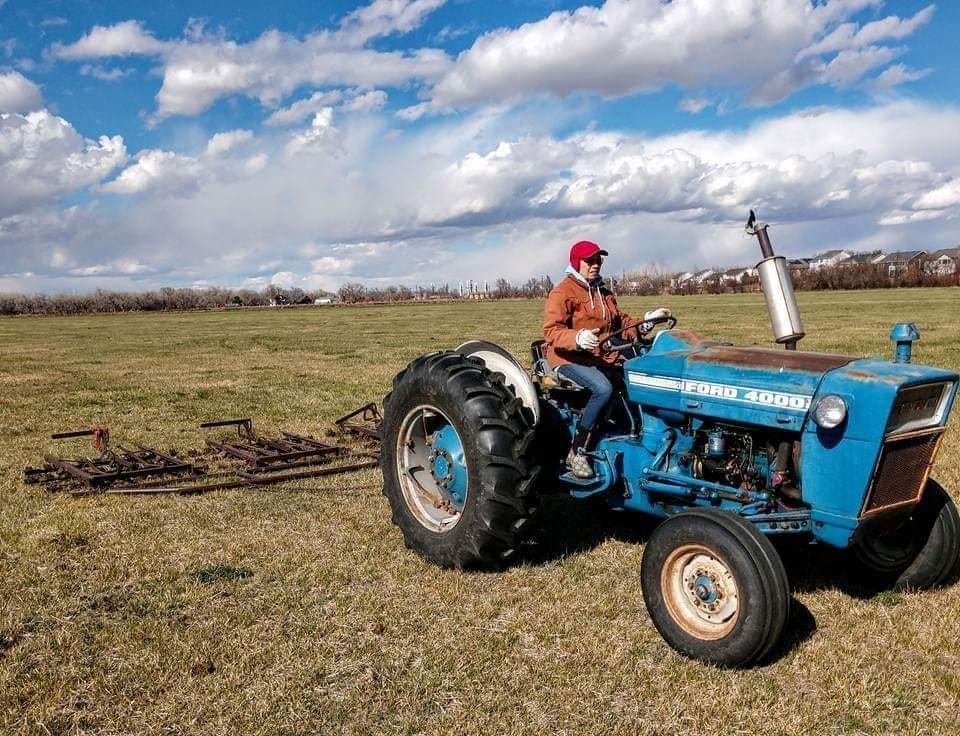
422 142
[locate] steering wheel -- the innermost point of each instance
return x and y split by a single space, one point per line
642 328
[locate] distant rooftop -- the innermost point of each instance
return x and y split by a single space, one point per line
904 256
866 257
827 254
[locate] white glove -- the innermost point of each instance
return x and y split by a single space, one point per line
588 340
657 315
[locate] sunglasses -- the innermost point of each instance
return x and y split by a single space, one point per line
594 260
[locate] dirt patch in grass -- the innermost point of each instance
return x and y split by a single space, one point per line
219 572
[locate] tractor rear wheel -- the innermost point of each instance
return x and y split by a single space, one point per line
920 553
455 460
715 587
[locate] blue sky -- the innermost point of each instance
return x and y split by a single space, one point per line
416 141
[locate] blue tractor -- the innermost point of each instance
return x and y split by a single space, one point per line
731 446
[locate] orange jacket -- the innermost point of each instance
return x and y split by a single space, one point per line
573 306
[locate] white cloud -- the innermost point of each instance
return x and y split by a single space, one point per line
850 65
105 74
122 39
330 264
385 17
897 74
286 279
200 68
320 137
18 94
852 36
940 198
354 100
777 166
302 109
223 142
42 158
269 68
694 105
909 217
255 163
770 47
176 174
367 101
121 266
47 223
161 171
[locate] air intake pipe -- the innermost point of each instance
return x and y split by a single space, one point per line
777 289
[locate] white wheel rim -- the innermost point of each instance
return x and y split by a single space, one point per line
700 592
421 492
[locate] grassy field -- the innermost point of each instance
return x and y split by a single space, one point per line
298 610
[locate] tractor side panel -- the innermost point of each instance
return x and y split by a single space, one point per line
725 391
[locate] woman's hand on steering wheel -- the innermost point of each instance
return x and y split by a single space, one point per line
650 320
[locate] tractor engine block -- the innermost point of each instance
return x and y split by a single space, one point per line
732 456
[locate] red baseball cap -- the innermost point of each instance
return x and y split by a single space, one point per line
582 251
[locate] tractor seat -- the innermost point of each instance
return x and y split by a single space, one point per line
545 374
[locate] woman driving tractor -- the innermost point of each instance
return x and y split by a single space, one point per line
579 314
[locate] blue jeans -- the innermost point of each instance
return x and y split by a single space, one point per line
599 386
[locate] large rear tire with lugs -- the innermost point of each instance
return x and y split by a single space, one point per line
455 459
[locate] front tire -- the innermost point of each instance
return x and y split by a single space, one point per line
920 553
715 587
455 461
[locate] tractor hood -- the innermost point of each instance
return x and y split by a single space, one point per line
683 372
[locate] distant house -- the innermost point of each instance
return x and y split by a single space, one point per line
738 275
799 264
828 259
864 259
679 280
943 262
897 263
323 300
705 275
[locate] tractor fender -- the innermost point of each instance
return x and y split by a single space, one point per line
500 360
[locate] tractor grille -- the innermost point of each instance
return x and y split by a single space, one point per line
918 407
902 472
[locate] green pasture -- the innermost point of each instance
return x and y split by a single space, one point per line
297 610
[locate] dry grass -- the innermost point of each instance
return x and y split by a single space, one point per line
263 612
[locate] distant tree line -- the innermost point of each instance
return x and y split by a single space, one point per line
839 277
165 299
537 287
356 293
871 276
649 281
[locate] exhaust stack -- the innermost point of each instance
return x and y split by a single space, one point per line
777 289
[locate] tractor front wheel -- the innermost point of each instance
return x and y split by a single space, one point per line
922 551
455 460
715 587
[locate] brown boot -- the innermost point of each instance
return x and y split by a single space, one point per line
579 465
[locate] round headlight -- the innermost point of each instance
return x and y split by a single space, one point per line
830 412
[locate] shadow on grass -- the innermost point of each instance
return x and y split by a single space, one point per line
813 567
567 526
219 572
800 626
